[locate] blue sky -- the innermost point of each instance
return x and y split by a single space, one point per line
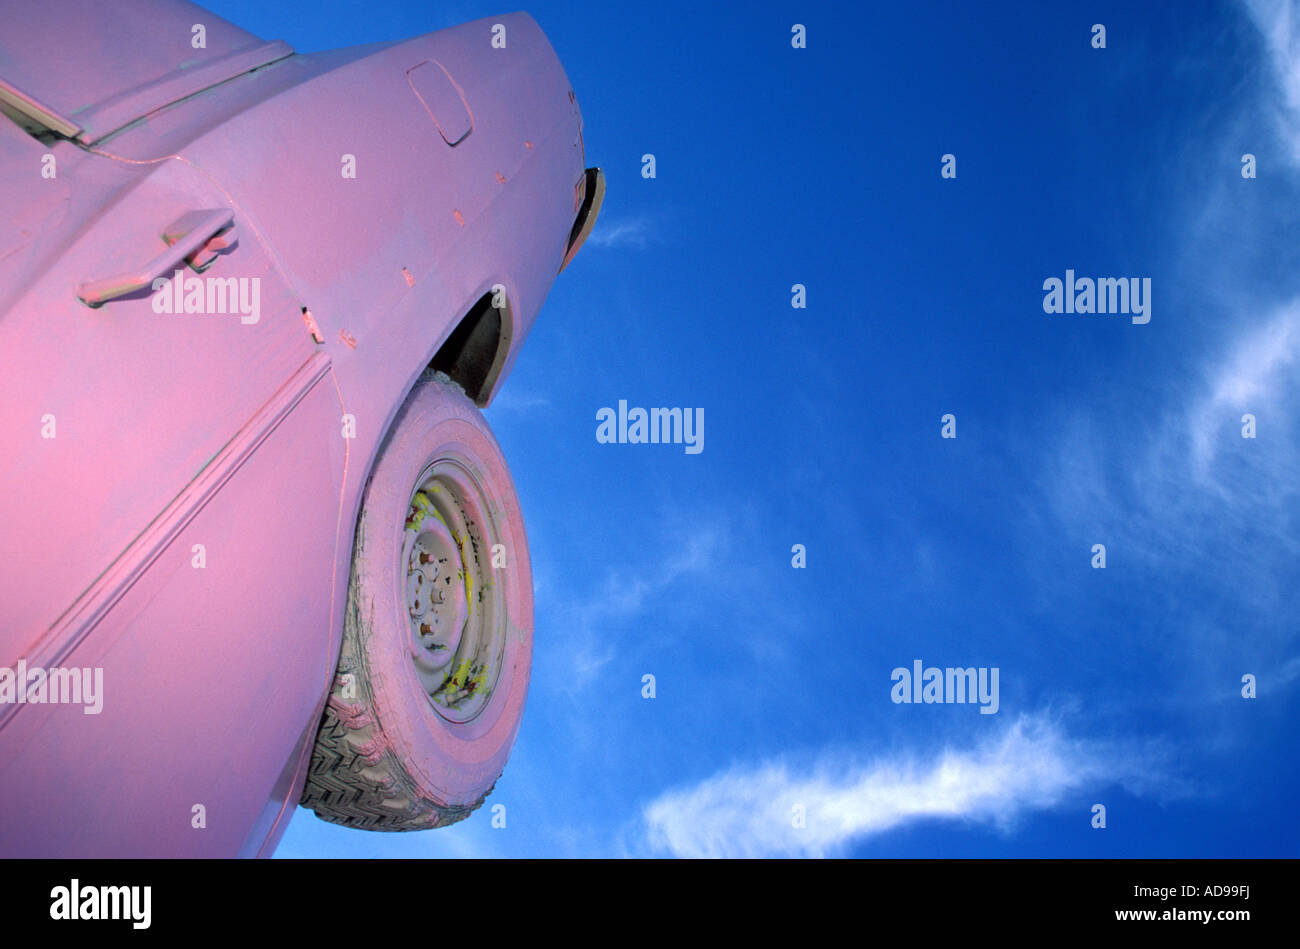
821 166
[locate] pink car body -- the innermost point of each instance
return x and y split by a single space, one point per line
179 490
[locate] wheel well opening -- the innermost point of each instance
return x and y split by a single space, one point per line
472 355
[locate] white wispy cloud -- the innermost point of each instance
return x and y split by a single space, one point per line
1278 21
511 400
1258 374
1289 672
1176 493
1169 483
1185 481
629 232
1256 377
586 621
1030 765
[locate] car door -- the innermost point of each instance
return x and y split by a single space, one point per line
169 494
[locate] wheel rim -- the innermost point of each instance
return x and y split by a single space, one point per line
454 603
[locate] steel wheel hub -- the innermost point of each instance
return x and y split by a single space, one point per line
454 604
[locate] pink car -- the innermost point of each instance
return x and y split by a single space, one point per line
258 544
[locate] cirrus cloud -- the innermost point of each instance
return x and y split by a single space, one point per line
1030 765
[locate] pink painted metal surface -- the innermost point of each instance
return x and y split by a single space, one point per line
177 496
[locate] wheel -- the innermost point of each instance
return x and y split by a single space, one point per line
437 638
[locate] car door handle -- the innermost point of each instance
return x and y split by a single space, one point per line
185 237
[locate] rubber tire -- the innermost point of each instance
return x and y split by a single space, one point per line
384 758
